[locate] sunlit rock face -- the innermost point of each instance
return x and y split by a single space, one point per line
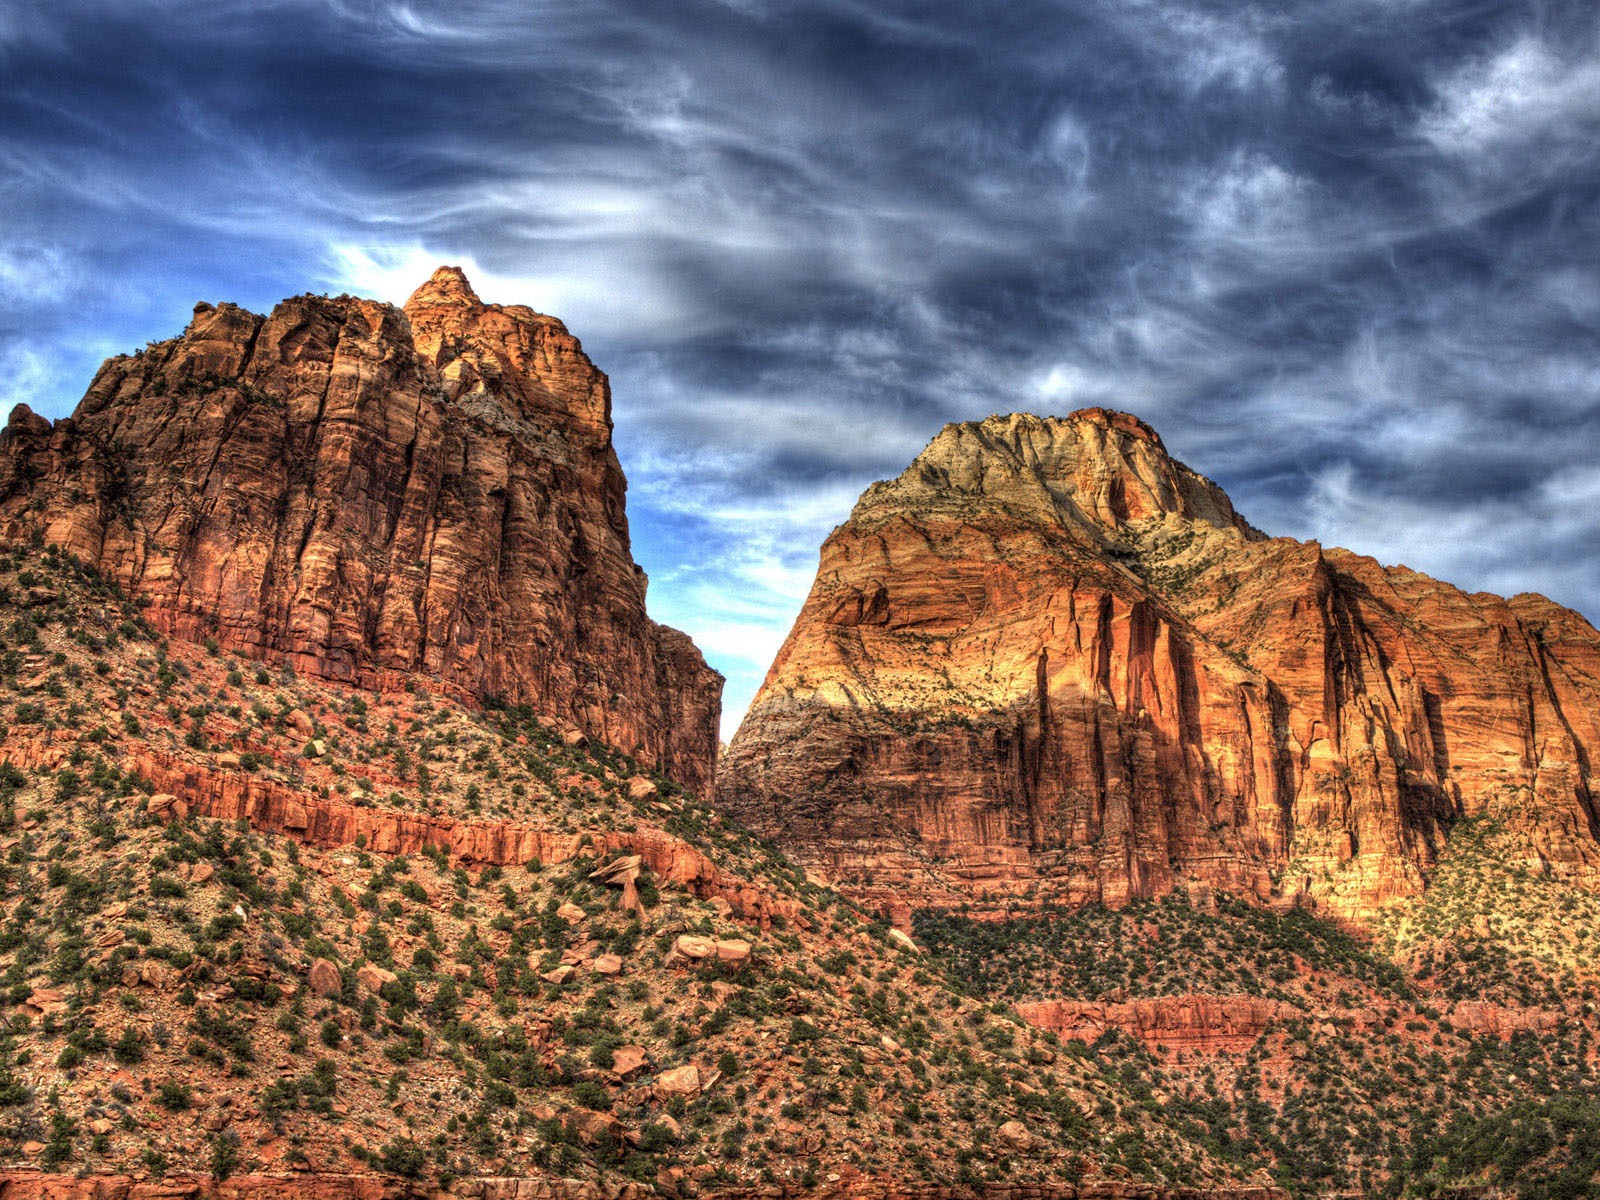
1050 662
367 493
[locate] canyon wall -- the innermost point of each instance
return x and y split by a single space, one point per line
368 493
1050 662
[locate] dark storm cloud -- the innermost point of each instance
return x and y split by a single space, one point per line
1341 254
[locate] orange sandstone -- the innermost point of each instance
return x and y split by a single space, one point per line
1050 661
369 493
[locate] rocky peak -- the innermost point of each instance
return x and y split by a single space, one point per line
524 364
369 494
23 420
447 285
1095 470
1048 660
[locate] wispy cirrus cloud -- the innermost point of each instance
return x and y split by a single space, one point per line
1528 96
1339 253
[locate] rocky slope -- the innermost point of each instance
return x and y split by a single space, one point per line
1281 1037
1050 662
266 934
370 494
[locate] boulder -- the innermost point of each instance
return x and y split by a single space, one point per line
901 940
692 947
1015 1134
166 806
621 872
323 979
680 1081
373 977
47 1001
627 1061
594 1127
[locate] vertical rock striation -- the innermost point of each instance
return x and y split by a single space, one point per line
1050 661
367 493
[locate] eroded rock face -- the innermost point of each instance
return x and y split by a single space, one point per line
370 493
1048 660
1194 1024
269 806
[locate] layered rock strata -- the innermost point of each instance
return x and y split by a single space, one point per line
1193 1024
185 787
369 493
1049 661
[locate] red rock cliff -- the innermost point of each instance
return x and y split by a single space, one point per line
1194 1024
368 492
1050 660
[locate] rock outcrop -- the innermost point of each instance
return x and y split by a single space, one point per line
1050 661
369 493
1194 1024
268 806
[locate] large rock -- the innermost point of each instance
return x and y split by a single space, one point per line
619 873
368 493
166 806
47 1001
680 1081
1015 1134
324 980
373 977
693 946
628 1061
1048 659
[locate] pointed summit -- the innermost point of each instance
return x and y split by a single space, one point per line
447 285
1095 469
455 509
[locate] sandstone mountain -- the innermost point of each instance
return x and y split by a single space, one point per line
369 493
1049 662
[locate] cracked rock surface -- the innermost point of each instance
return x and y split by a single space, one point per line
1049 662
367 493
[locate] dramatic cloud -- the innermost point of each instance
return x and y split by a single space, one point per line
1340 253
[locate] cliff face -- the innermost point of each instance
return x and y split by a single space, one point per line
1204 1025
370 493
1048 660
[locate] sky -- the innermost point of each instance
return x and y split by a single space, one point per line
1342 254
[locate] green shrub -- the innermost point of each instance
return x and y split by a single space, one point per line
402 1157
